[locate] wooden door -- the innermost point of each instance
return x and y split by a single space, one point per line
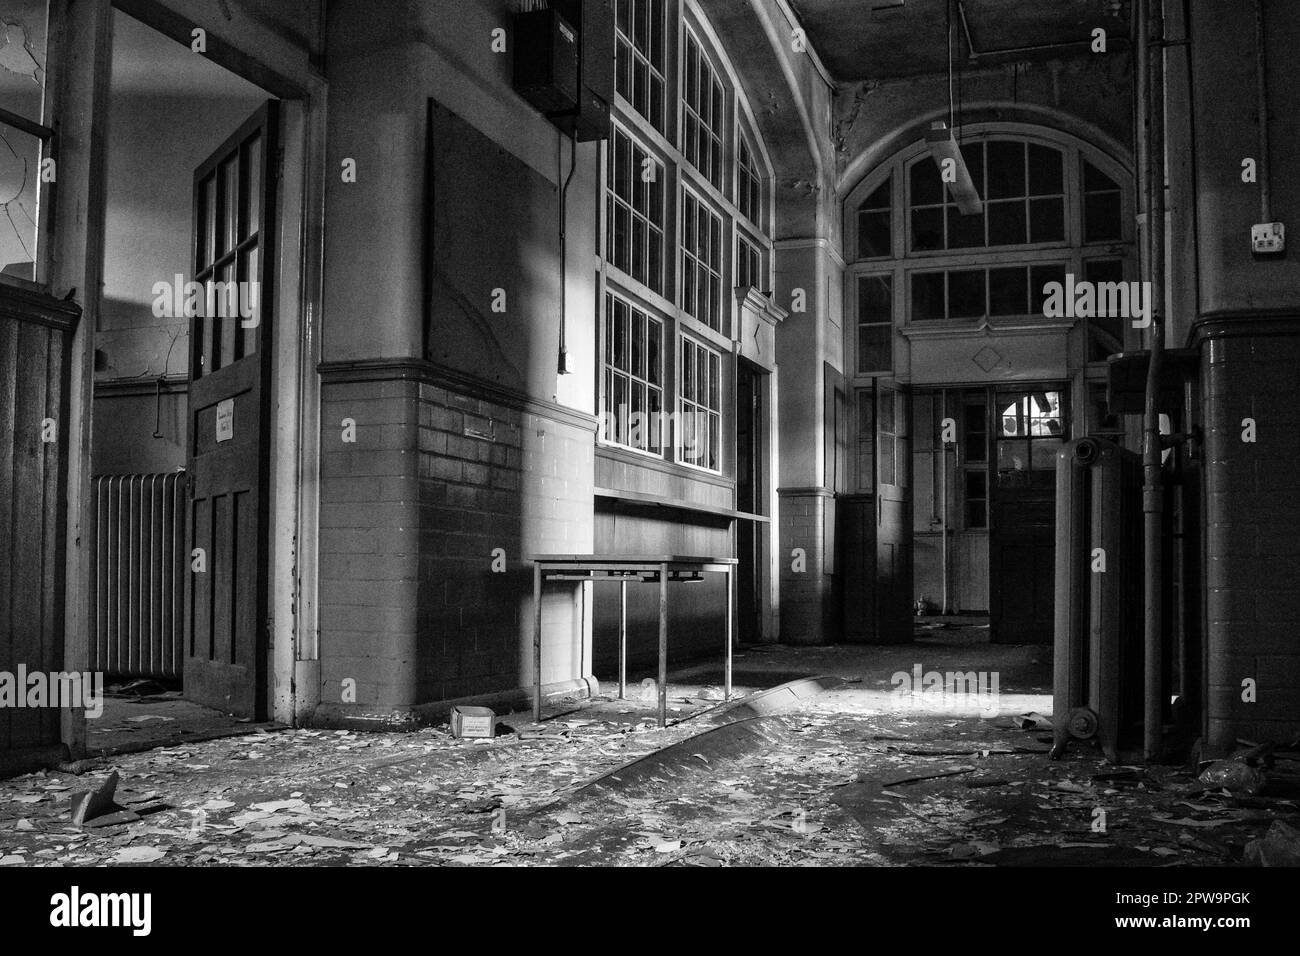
1028 429
229 427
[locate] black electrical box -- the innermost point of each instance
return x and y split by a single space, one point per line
546 61
587 116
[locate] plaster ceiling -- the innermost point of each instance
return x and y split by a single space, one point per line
862 40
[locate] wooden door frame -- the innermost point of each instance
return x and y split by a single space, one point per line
78 64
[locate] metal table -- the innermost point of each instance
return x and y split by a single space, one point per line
623 568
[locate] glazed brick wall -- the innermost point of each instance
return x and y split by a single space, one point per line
369 555
1252 536
807 597
410 608
491 476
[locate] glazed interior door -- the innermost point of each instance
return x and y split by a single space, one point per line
1028 429
228 445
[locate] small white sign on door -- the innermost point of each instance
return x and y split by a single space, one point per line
226 420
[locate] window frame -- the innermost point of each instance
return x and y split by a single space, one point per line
903 261
667 304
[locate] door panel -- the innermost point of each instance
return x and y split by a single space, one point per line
1027 430
229 422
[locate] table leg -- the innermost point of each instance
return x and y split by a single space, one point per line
663 645
537 641
726 692
622 639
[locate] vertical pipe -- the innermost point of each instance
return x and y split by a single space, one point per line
726 691
1152 491
537 640
622 638
663 645
1261 82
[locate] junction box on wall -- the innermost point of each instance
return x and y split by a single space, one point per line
564 64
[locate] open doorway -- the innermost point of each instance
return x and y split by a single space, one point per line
985 465
180 435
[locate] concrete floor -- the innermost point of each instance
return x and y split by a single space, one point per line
855 775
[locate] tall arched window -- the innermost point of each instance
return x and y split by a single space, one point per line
1052 206
687 221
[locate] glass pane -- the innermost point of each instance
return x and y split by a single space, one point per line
250 301
1006 170
975 440
252 200
966 296
1101 216
927 228
1013 455
1040 276
1046 220
887 459
638 344
875 298
702 376
976 514
977 484
874 234
1094 179
1006 222
620 336
623 69
1008 292
1011 420
715 382
880 197
927 187
927 296
622 240
610 306
964 232
202 228
225 308
229 177
688 372
639 230
1045 171
1043 454
653 358
874 348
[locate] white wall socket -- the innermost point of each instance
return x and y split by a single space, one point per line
1268 237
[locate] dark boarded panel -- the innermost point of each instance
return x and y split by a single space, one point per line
33 389
495 225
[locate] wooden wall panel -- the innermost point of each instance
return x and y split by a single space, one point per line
34 332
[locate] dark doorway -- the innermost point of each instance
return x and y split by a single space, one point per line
750 491
1028 429
874 524
229 422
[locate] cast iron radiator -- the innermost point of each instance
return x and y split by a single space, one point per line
1097 676
138 575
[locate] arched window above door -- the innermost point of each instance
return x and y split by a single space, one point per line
1052 205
